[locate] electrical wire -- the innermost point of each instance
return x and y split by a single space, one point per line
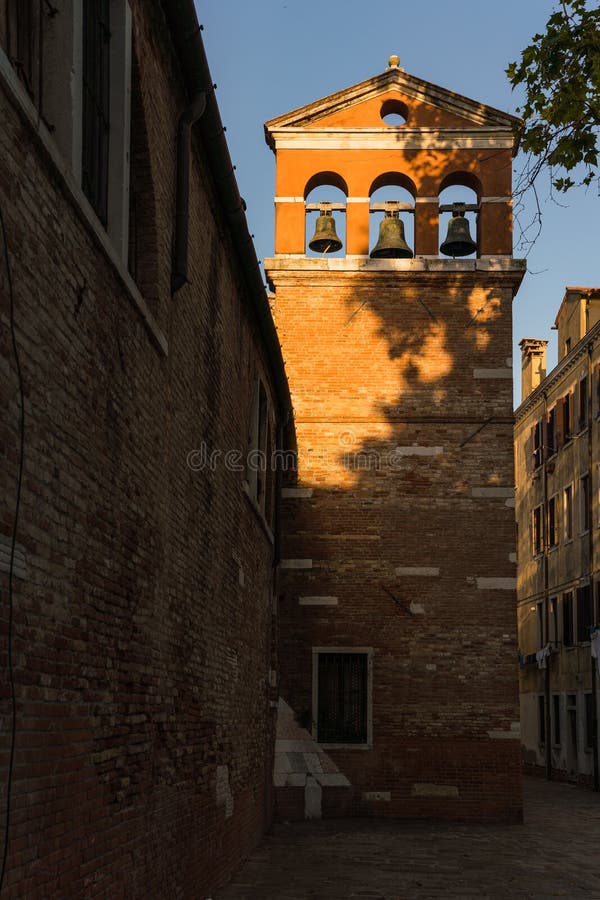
11 570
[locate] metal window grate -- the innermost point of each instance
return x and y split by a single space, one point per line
342 714
96 121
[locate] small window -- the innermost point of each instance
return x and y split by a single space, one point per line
342 695
584 613
584 503
541 719
556 720
568 494
589 721
537 528
582 418
567 417
96 90
553 521
567 609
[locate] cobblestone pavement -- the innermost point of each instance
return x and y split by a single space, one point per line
556 853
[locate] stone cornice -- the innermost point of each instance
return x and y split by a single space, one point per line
566 364
384 138
410 86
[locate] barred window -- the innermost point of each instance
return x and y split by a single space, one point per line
96 92
342 716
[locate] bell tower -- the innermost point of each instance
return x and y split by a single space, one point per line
398 606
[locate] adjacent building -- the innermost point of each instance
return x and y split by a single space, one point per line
557 435
397 603
137 558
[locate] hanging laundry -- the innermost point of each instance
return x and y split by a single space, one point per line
542 657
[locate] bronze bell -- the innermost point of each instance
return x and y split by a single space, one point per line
458 240
325 239
391 243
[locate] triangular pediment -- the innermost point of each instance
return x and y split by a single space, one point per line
360 106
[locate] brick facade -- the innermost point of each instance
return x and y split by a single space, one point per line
142 633
398 538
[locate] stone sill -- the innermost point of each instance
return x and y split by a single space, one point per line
20 100
292 262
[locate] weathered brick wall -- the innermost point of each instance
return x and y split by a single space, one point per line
144 736
401 537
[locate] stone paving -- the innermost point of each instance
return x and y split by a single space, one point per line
555 853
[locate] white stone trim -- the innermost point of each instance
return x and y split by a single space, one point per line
493 492
492 373
417 450
425 571
384 138
299 262
377 796
434 790
496 584
298 493
296 563
318 601
289 200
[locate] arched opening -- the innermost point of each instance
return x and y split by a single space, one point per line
325 198
459 239
394 113
390 189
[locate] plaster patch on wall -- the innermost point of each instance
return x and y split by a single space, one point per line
298 493
512 557
224 795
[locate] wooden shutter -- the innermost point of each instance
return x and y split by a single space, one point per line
529 452
558 418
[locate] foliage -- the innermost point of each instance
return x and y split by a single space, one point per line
560 72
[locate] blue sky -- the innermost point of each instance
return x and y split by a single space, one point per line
271 56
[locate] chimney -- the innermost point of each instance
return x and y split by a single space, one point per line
533 365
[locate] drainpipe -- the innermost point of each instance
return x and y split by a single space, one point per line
179 268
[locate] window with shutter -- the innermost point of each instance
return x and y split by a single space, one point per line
342 714
538 444
582 418
584 613
560 420
567 617
567 408
551 437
